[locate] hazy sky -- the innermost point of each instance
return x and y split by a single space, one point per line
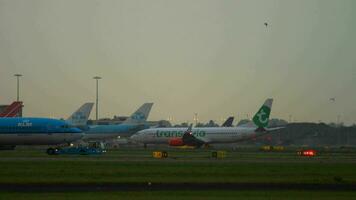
215 58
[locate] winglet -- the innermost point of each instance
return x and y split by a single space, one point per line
190 128
189 139
188 135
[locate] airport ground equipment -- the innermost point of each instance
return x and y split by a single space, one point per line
272 148
93 148
218 154
160 154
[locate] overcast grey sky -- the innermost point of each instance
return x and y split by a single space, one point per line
215 58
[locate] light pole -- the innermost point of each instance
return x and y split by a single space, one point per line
97 96
196 118
18 85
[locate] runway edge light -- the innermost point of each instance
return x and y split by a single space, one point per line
307 153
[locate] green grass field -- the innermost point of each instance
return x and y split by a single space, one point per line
186 195
183 166
171 172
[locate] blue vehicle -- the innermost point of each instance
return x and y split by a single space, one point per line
93 148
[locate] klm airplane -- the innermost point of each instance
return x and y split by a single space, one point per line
80 117
42 131
134 123
37 131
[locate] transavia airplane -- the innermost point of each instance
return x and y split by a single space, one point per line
136 122
204 136
42 131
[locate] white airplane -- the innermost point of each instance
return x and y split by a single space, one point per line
205 136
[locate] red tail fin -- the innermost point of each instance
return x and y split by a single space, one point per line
12 110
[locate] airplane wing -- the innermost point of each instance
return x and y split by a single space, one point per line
190 140
274 129
204 140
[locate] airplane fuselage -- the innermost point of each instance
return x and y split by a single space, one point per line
208 135
36 131
105 132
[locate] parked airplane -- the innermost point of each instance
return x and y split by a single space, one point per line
204 136
12 110
42 131
134 123
80 117
36 131
228 122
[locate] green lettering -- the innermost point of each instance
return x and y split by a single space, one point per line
166 134
180 134
158 134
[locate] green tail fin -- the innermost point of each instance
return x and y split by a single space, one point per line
261 118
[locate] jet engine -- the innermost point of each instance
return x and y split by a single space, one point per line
176 142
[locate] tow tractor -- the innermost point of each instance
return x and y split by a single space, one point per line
93 148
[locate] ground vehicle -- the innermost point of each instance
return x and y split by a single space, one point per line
93 148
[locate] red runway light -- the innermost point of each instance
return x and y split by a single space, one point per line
309 153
